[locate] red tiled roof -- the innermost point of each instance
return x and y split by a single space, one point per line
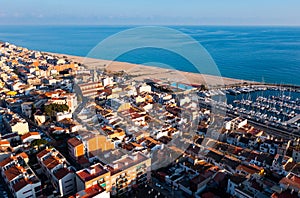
42 153
13 172
86 176
51 162
291 180
20 184
90 192
29 134
4 142
201 177
285 194
6 161
61 173
23 155
251 169
74 142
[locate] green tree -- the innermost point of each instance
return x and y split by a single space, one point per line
52 109
38 143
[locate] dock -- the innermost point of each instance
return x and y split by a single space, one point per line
294 119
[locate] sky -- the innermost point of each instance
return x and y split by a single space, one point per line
150 12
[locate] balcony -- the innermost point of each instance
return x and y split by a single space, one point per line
122 180
140 172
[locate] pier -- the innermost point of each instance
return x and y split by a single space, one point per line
294 119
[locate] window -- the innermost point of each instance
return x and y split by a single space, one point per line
101 180
70 190
68 186
27 191
68 181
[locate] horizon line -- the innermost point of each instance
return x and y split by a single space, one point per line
124 25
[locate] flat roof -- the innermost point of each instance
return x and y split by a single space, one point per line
85 174
74 142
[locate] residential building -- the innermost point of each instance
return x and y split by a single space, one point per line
19 177
29 137
14 123
291 182
91 176
27 108
95 144
90 89
118 174
128 172
76 148
235 123
296 154
55 167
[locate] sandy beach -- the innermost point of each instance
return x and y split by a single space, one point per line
141 72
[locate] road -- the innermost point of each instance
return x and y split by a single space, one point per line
166 190
268 129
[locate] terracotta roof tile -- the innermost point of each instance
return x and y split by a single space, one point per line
6 161
13 172
86 176
42 153
74 142
61 173
51 162
29 134
20 184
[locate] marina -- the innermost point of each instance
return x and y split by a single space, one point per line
271 106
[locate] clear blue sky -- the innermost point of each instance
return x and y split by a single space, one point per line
154 12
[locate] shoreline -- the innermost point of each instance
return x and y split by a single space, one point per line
142 72
162 74
193 78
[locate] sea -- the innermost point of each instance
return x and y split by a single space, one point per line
263 54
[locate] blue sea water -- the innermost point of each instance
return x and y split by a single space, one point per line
269 54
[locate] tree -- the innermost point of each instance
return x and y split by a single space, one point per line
38 143
52 109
